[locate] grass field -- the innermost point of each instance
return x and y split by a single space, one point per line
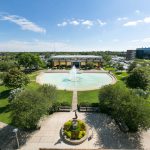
120 75
88 96
32 76
5 114
64 96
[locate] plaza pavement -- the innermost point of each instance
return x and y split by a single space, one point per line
105 134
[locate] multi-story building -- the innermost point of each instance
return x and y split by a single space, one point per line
131 54
143 53
140 53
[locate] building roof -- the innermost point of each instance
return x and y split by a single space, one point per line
146 48
76 56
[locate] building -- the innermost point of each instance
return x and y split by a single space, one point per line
131 54
76 60
140 53
143 53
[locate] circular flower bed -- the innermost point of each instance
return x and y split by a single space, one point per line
74 131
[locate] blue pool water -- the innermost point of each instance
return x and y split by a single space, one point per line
85 81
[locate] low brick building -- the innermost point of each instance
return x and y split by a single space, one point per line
76 60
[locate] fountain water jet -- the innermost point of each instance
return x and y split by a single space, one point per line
73 74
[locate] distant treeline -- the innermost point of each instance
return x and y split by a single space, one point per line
48 54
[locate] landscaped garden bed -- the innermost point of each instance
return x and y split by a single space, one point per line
74 132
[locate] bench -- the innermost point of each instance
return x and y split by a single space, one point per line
64 109
89 109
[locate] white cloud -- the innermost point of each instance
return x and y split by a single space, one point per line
36 46
134 41
122 18
23 23
137 11
101 23
87 23
143 42
63 24
74 22
147 20
115 40
132 23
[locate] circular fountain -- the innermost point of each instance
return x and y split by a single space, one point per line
74 79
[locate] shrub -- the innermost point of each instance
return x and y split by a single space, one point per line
68 134
49 91
123 104
86 104
65 104
13 93
68 125
81 134
78 133
28 107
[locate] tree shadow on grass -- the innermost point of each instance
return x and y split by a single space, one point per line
4 109
8 139
109 135
4 94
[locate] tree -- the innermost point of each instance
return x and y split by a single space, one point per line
29 61
48 91
106 59
120 67
6 65
139 78
132 66
124 105
90 65
15 79
28 107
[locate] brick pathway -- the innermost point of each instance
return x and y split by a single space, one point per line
74 100
106 134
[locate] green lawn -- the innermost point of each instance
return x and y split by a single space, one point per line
88 96
109 68
120 75
64 96
4 105
32 76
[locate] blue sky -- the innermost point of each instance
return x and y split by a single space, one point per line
74 25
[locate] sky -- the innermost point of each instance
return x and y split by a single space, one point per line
74 25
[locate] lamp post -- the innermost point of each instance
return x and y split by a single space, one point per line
15 131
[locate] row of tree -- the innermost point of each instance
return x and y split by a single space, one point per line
24 61
30 61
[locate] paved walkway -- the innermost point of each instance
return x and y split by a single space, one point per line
74 100
105 134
